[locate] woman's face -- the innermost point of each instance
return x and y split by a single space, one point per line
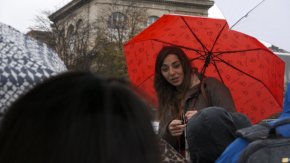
172 71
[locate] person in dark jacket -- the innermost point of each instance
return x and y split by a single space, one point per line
79 117
203 106
234 151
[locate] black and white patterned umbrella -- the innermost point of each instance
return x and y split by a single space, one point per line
23 63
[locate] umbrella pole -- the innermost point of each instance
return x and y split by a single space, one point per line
187 153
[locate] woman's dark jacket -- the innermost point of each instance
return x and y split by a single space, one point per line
217 94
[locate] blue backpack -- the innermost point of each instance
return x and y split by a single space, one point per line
260 143
265 142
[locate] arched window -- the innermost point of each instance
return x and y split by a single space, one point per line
70 37
151 19
117 20
79 26
81 31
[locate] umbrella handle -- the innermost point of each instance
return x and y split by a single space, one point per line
183 118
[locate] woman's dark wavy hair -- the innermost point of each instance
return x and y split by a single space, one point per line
78 117
166 92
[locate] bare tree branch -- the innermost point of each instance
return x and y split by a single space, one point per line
81 48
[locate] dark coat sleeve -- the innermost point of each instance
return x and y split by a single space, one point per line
165 134
218 94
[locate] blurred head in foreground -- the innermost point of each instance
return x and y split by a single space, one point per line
78 117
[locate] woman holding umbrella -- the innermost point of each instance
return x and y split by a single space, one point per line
203 106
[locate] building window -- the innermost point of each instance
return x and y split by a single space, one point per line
151 19
70 38
79 26
117 20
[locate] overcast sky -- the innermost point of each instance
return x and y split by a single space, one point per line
20 14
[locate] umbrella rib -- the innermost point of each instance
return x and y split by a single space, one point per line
184 47
200 57
236 51
185 22
258 80
218 36
221 60
144 80
218 71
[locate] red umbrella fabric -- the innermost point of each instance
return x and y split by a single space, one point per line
250 70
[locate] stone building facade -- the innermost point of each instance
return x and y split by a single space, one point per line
108 24
92 9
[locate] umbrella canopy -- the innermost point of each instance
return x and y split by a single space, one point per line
267 20
23 63
253 73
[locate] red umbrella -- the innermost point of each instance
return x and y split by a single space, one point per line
251 71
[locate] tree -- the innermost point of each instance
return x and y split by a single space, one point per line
118 23
72 45
96 46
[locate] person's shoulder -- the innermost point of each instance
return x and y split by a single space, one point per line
212 83
211 80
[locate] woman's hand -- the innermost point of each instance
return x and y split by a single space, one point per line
189 114
176 127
